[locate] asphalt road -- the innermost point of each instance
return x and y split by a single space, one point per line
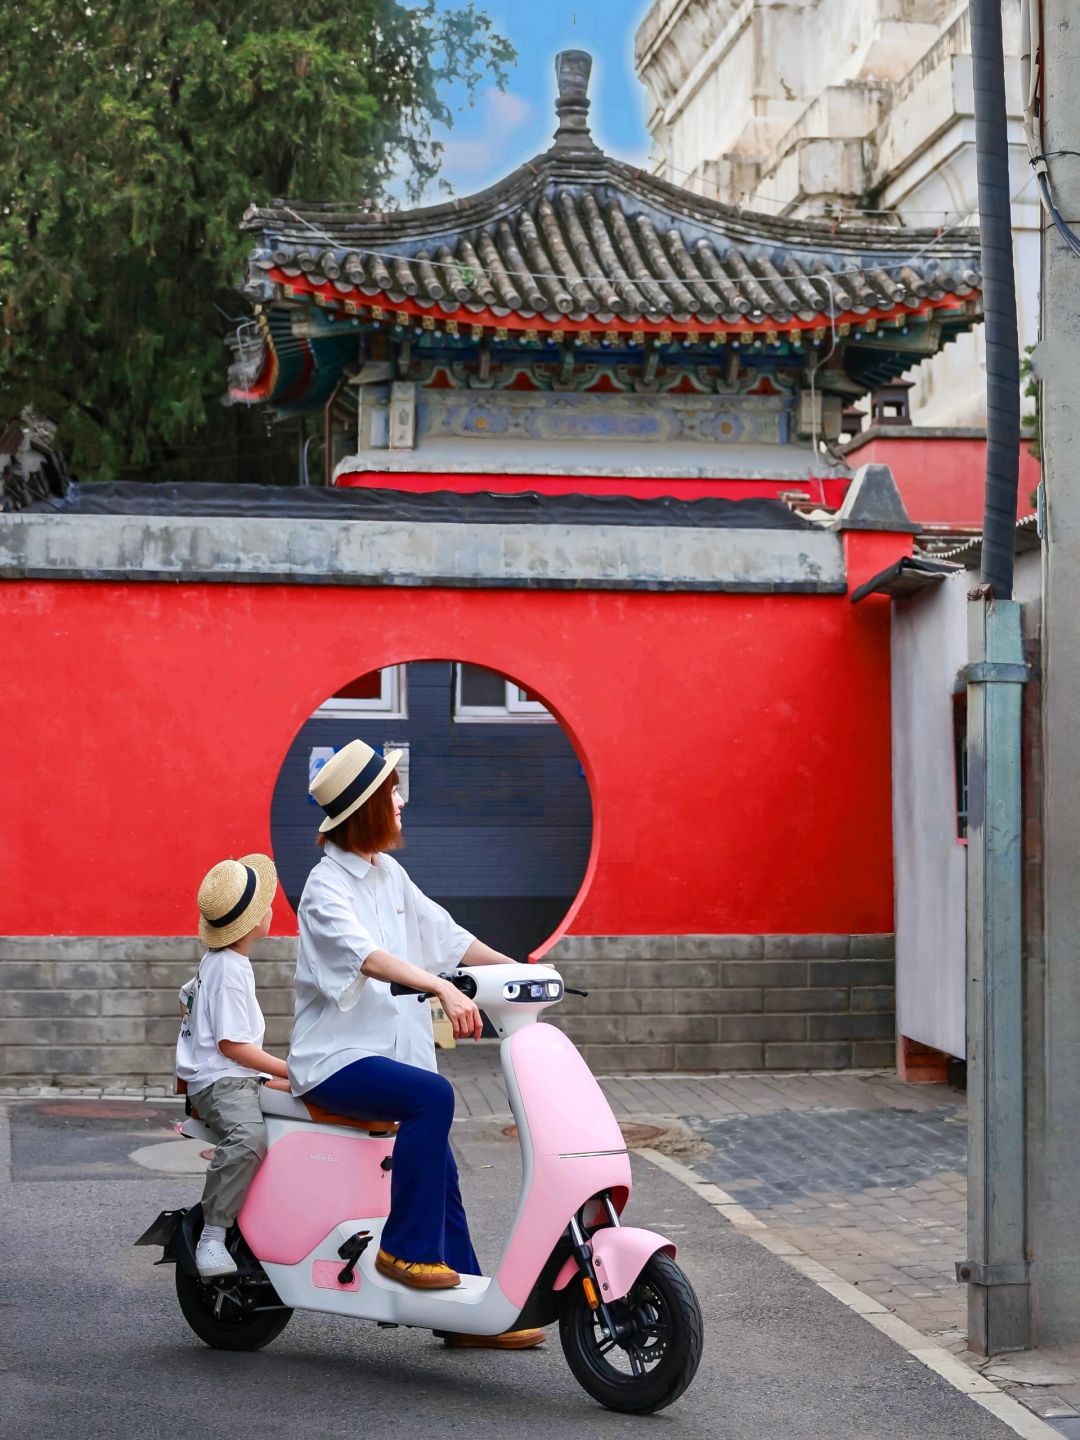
92 1343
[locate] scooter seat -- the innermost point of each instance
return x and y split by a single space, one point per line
294 1107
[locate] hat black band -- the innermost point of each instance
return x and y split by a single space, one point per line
240 906
355 788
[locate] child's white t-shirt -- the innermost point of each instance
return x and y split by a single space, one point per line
221 1005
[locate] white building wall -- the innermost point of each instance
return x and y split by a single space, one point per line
840 107
929 648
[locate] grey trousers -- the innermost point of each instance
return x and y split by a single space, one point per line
230 1109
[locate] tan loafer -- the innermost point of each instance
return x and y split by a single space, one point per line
508 1340
415 1273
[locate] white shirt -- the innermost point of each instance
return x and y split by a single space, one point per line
221 1005
348 909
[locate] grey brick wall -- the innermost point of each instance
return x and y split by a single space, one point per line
729 1002
87 1011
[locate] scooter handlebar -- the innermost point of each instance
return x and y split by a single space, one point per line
465 983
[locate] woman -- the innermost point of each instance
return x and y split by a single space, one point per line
358 1050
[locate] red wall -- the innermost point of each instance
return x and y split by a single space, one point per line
942 479
737 746
828 491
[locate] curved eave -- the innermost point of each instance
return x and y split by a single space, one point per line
300 374
286 369
264 385
296 374
477 320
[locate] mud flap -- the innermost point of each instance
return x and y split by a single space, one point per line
177 1232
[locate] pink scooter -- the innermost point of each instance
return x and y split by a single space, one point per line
307 1236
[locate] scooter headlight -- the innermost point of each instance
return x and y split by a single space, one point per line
532 991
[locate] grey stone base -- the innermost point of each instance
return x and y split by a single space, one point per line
88 1010
728 1002
91 1011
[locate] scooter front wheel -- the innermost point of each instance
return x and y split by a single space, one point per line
658 1349
220 1319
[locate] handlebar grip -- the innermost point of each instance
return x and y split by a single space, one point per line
465 983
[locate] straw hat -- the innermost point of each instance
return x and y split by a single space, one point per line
349 778
233 897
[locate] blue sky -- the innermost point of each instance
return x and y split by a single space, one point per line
504 129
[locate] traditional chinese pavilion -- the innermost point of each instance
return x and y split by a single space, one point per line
583 326
653 385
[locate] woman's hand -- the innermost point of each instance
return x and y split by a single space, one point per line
460 1011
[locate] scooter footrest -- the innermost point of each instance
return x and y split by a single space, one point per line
350 1251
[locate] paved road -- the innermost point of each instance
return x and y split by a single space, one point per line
94 1345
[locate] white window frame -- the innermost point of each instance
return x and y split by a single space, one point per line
402 765
392 702
515 710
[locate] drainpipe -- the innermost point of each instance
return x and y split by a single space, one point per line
999 299
996 1269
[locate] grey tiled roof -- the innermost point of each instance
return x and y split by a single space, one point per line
576 235
602 240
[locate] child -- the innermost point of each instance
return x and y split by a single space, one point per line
219 1053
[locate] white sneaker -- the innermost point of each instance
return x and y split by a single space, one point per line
212 1260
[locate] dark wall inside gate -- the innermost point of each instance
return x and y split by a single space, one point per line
499 820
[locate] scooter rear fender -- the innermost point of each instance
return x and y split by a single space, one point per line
620 1253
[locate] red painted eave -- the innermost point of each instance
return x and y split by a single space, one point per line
380 308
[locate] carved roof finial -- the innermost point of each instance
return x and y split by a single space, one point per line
572 71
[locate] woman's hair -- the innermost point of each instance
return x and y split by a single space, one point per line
372 827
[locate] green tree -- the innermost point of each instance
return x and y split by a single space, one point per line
133 135
1029 424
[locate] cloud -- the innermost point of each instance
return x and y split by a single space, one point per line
488 141
506 108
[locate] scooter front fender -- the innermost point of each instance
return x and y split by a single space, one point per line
620 1253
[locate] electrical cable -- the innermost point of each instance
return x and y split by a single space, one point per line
1072 240
812 374
1031 89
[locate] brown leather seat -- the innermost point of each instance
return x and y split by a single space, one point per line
315 1112
275 1098
372 1127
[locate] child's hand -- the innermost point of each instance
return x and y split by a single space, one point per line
277 1085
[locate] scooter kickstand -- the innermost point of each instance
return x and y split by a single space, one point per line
351 1251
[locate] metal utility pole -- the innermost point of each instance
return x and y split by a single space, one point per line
996 1267
1054 1032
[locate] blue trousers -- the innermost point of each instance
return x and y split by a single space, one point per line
427 1219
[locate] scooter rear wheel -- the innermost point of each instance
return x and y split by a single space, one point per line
219 1322
657 1356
